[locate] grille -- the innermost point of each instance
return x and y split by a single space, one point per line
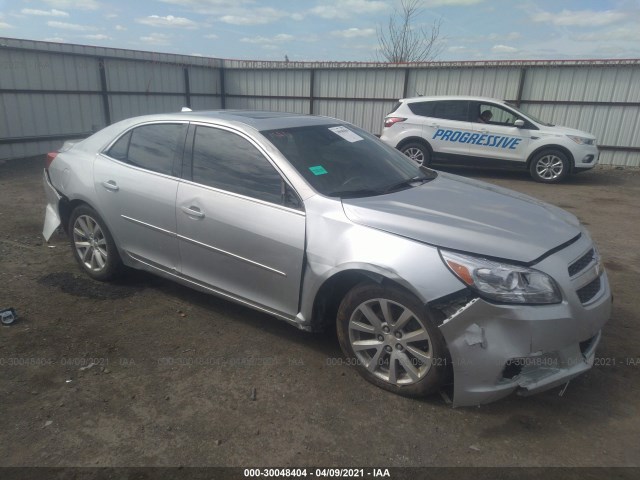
581 263
512 368
589 291
586 345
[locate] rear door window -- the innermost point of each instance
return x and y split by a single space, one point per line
152 147
451 110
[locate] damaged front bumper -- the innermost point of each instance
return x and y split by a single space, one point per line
52 214
498 349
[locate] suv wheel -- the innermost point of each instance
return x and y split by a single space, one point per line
417 152
92 244
549 166
391 340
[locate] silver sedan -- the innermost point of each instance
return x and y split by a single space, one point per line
430 279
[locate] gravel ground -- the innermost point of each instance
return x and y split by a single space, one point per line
148 373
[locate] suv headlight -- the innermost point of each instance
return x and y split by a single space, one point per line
582 140
502 282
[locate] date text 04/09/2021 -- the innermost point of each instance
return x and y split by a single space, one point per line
317 472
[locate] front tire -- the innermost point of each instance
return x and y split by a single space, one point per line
92 244
418 152
391 339
549 166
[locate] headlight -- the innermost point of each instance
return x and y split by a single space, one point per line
503 282
582 140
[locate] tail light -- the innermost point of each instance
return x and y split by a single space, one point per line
391 120
68 145
49 159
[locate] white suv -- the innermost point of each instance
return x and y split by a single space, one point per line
476 131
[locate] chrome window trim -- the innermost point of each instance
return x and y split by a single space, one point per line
263 152
246 137
231 129
140 169
103 151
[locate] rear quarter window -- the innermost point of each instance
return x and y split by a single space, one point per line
423 109
120 149
451 110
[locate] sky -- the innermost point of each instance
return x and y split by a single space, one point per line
332 30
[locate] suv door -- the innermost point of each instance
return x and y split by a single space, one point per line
136 183
238 229
445 122
499 138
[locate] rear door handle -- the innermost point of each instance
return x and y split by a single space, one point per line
111 185
193 211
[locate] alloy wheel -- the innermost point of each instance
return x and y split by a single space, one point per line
549 167
415 154
390 341
90 243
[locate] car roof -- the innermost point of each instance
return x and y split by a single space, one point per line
258 119
450 97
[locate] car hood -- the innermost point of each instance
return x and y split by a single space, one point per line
562 130
467 215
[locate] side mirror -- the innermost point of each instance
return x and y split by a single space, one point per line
519 123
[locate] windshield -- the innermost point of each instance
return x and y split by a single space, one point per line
537 120
345 161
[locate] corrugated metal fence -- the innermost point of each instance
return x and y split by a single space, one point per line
49 92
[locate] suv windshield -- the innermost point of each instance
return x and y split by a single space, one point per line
345 161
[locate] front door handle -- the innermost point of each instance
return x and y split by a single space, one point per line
193 211
111 185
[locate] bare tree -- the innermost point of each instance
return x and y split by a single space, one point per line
402 41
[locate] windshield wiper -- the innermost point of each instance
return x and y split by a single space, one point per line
364 192
407 183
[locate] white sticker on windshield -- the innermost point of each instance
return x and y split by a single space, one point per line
347 134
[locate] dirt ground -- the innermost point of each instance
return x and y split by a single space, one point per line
149 373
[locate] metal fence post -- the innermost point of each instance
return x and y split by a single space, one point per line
187 87
223 102
104 90
523 74
312 81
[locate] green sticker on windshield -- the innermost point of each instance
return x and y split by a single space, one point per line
318 170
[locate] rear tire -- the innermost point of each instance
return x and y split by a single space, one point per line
549 166
418 152
390 338
92 244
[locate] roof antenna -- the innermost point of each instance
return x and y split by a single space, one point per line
419 94
186 109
